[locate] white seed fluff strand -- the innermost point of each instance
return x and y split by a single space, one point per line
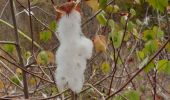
72 54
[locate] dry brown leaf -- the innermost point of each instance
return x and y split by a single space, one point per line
1 84
18 71
100 43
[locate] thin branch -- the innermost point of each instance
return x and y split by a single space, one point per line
39 20
98 12
29 72
7 68
22 33
115 67
152 58
18 48
11 81
4 9
9 55
31 29
7 42
101 94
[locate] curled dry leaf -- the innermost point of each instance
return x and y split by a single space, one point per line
100 43
18 71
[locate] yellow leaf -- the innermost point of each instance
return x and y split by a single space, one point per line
18 71
32 81
100 43
168 47
105 67
94 4
1 84
50 57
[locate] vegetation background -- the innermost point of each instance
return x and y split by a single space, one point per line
131 49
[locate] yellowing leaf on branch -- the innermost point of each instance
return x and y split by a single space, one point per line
45 57
32 81
18 71
94 4
168 47
105 67
100 43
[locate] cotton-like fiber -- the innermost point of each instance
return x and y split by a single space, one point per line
72 54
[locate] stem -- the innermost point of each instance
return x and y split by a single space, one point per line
155 82
18 48
31 30
114 69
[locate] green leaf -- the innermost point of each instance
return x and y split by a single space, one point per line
119 98
140 55
135 33
15 79
102 3
116 8
131 25
144 62
168 47
158 31
163 66
149 35
138 22
101 18
105 67
132 95
45 35
109 9
27 54
111 23
117 38
9 48
123 20
42 57
132 12
149 67
53 25
158 4
151 47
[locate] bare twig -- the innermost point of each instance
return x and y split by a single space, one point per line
115 67
7 68
152 58
22 33
31 30
4 9
11 81
18 48
7 42
29 72
8 55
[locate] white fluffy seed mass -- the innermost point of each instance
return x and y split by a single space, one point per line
72 54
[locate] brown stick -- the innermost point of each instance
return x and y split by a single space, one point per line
18 48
